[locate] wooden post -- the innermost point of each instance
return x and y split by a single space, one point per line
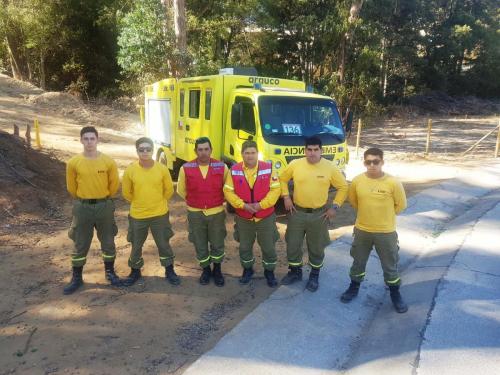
36 125
16 130
497 147
28 135
141 114
358 137
428 142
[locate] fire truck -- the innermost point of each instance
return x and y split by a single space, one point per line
238 105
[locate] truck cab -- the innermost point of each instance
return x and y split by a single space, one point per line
279 121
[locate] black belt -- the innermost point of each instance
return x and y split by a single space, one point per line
309 210
93 201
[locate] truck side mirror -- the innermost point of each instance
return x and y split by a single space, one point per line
247 118
242 117
236 116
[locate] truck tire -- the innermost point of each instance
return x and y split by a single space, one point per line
162 158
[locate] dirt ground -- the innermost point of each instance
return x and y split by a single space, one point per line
151 327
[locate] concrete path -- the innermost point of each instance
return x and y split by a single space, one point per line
463 335
296 331
394 343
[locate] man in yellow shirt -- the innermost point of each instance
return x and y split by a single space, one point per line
147 185
310 211
92 179
378 198
253 191
200 183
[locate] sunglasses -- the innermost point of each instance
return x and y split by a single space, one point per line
144 149
374 162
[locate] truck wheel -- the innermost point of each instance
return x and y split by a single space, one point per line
162 158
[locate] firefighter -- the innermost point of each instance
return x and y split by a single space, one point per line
252 189
378 198
200 183
92 179
147 185
309 212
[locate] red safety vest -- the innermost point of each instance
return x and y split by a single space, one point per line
206 192
255 194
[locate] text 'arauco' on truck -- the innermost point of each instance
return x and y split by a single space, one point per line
235 106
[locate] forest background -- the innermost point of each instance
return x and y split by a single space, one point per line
366 54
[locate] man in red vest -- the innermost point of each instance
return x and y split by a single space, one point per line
252 189
200 183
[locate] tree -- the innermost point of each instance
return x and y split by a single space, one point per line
62 43
146 43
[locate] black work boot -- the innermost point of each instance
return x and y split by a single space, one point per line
271 280
295 274
246 276
313 283
135 274
76 281
397 300
205 275
171 276
217 274
350 293
111 276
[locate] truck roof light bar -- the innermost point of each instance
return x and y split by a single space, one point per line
239 70
258 86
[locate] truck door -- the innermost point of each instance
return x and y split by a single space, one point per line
207 113
193 122
180 131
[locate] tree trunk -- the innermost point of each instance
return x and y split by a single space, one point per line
14 65
342 60
180 35
42 70
227 46
180 24
384 89
30 71
382 63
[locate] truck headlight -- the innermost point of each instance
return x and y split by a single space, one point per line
337 162
277 165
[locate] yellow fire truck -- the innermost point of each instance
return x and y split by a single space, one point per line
239 105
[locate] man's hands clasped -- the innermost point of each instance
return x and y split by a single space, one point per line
252 208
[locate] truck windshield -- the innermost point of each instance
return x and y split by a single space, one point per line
287 120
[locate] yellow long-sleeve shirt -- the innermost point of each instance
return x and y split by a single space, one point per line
251 175
181 190
92 178
147 189
378 201
311 182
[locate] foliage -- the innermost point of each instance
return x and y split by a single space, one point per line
145 42
364 53
61 42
